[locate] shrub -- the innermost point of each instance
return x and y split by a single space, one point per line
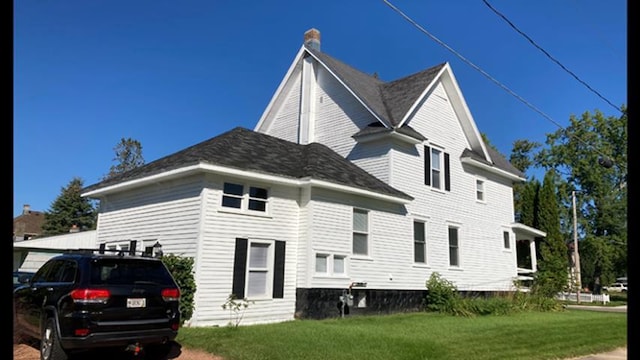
236 309
442 295
182 270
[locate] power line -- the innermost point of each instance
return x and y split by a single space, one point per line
504 87
549 55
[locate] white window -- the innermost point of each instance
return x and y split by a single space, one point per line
419 242
506 240
360 232
321 263
436 173
479 190
259 272
454 249
327 264
243 197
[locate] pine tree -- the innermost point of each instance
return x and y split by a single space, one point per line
553 275
69 210
128 156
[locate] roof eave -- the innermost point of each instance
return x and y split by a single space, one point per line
387 134
492 169
273 179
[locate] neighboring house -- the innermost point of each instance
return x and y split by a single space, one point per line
28 225
348 185
29 255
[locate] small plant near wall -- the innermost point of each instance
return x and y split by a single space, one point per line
236 308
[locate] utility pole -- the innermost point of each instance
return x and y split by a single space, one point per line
576 257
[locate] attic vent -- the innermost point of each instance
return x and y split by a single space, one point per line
312 39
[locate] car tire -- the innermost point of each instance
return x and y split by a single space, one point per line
50 348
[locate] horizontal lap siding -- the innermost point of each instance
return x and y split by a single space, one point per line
390 243
484 266
167 212
339 115
285 122
216 254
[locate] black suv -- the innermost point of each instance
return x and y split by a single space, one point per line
84 300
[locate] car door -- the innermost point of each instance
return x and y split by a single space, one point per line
28 300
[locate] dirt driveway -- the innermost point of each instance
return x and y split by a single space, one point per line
30 352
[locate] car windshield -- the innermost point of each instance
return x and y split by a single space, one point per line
129 271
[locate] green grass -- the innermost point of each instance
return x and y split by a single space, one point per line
527 335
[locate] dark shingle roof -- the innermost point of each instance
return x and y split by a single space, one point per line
389 101
498 159
244 149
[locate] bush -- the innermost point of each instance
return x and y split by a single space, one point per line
443 296
182 270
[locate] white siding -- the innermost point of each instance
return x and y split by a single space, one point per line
216 255
167 212
339 115
286 119
374 157
483 263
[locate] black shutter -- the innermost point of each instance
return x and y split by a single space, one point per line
427 165
447 176
278 271
239 268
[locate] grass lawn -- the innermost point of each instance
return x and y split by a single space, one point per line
528 335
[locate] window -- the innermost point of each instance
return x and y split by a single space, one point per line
479 190
360 232
257 283
327 264
454 250
436 169
258 269
419 242
321 263
234 196
338 264
506 240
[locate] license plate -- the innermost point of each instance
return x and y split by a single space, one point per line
136 303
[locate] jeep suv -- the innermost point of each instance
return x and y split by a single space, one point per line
84 300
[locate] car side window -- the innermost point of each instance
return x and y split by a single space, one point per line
41 274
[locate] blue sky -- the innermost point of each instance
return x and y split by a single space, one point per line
171 74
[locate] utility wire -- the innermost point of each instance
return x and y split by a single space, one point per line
548 55
504 87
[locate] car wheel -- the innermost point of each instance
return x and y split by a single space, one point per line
50 348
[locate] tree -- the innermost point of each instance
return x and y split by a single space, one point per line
69 210
591 156
128 156
552 275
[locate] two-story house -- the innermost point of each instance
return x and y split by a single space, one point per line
349 188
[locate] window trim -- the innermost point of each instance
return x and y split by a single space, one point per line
330 265
444 169
245 199
506 241
456 247
355 231
481 190
424 242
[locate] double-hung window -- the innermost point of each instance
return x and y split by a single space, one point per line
436 168
506 239
419 242
239 196
454 248
360 232
480 190
258 269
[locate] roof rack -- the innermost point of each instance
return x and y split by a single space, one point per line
103 250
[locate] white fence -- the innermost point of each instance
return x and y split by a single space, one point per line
584 297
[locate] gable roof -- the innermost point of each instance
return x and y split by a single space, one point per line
261 154
392 104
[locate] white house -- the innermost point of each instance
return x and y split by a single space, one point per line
348 185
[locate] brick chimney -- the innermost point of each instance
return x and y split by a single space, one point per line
74 229
26 208
312 39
